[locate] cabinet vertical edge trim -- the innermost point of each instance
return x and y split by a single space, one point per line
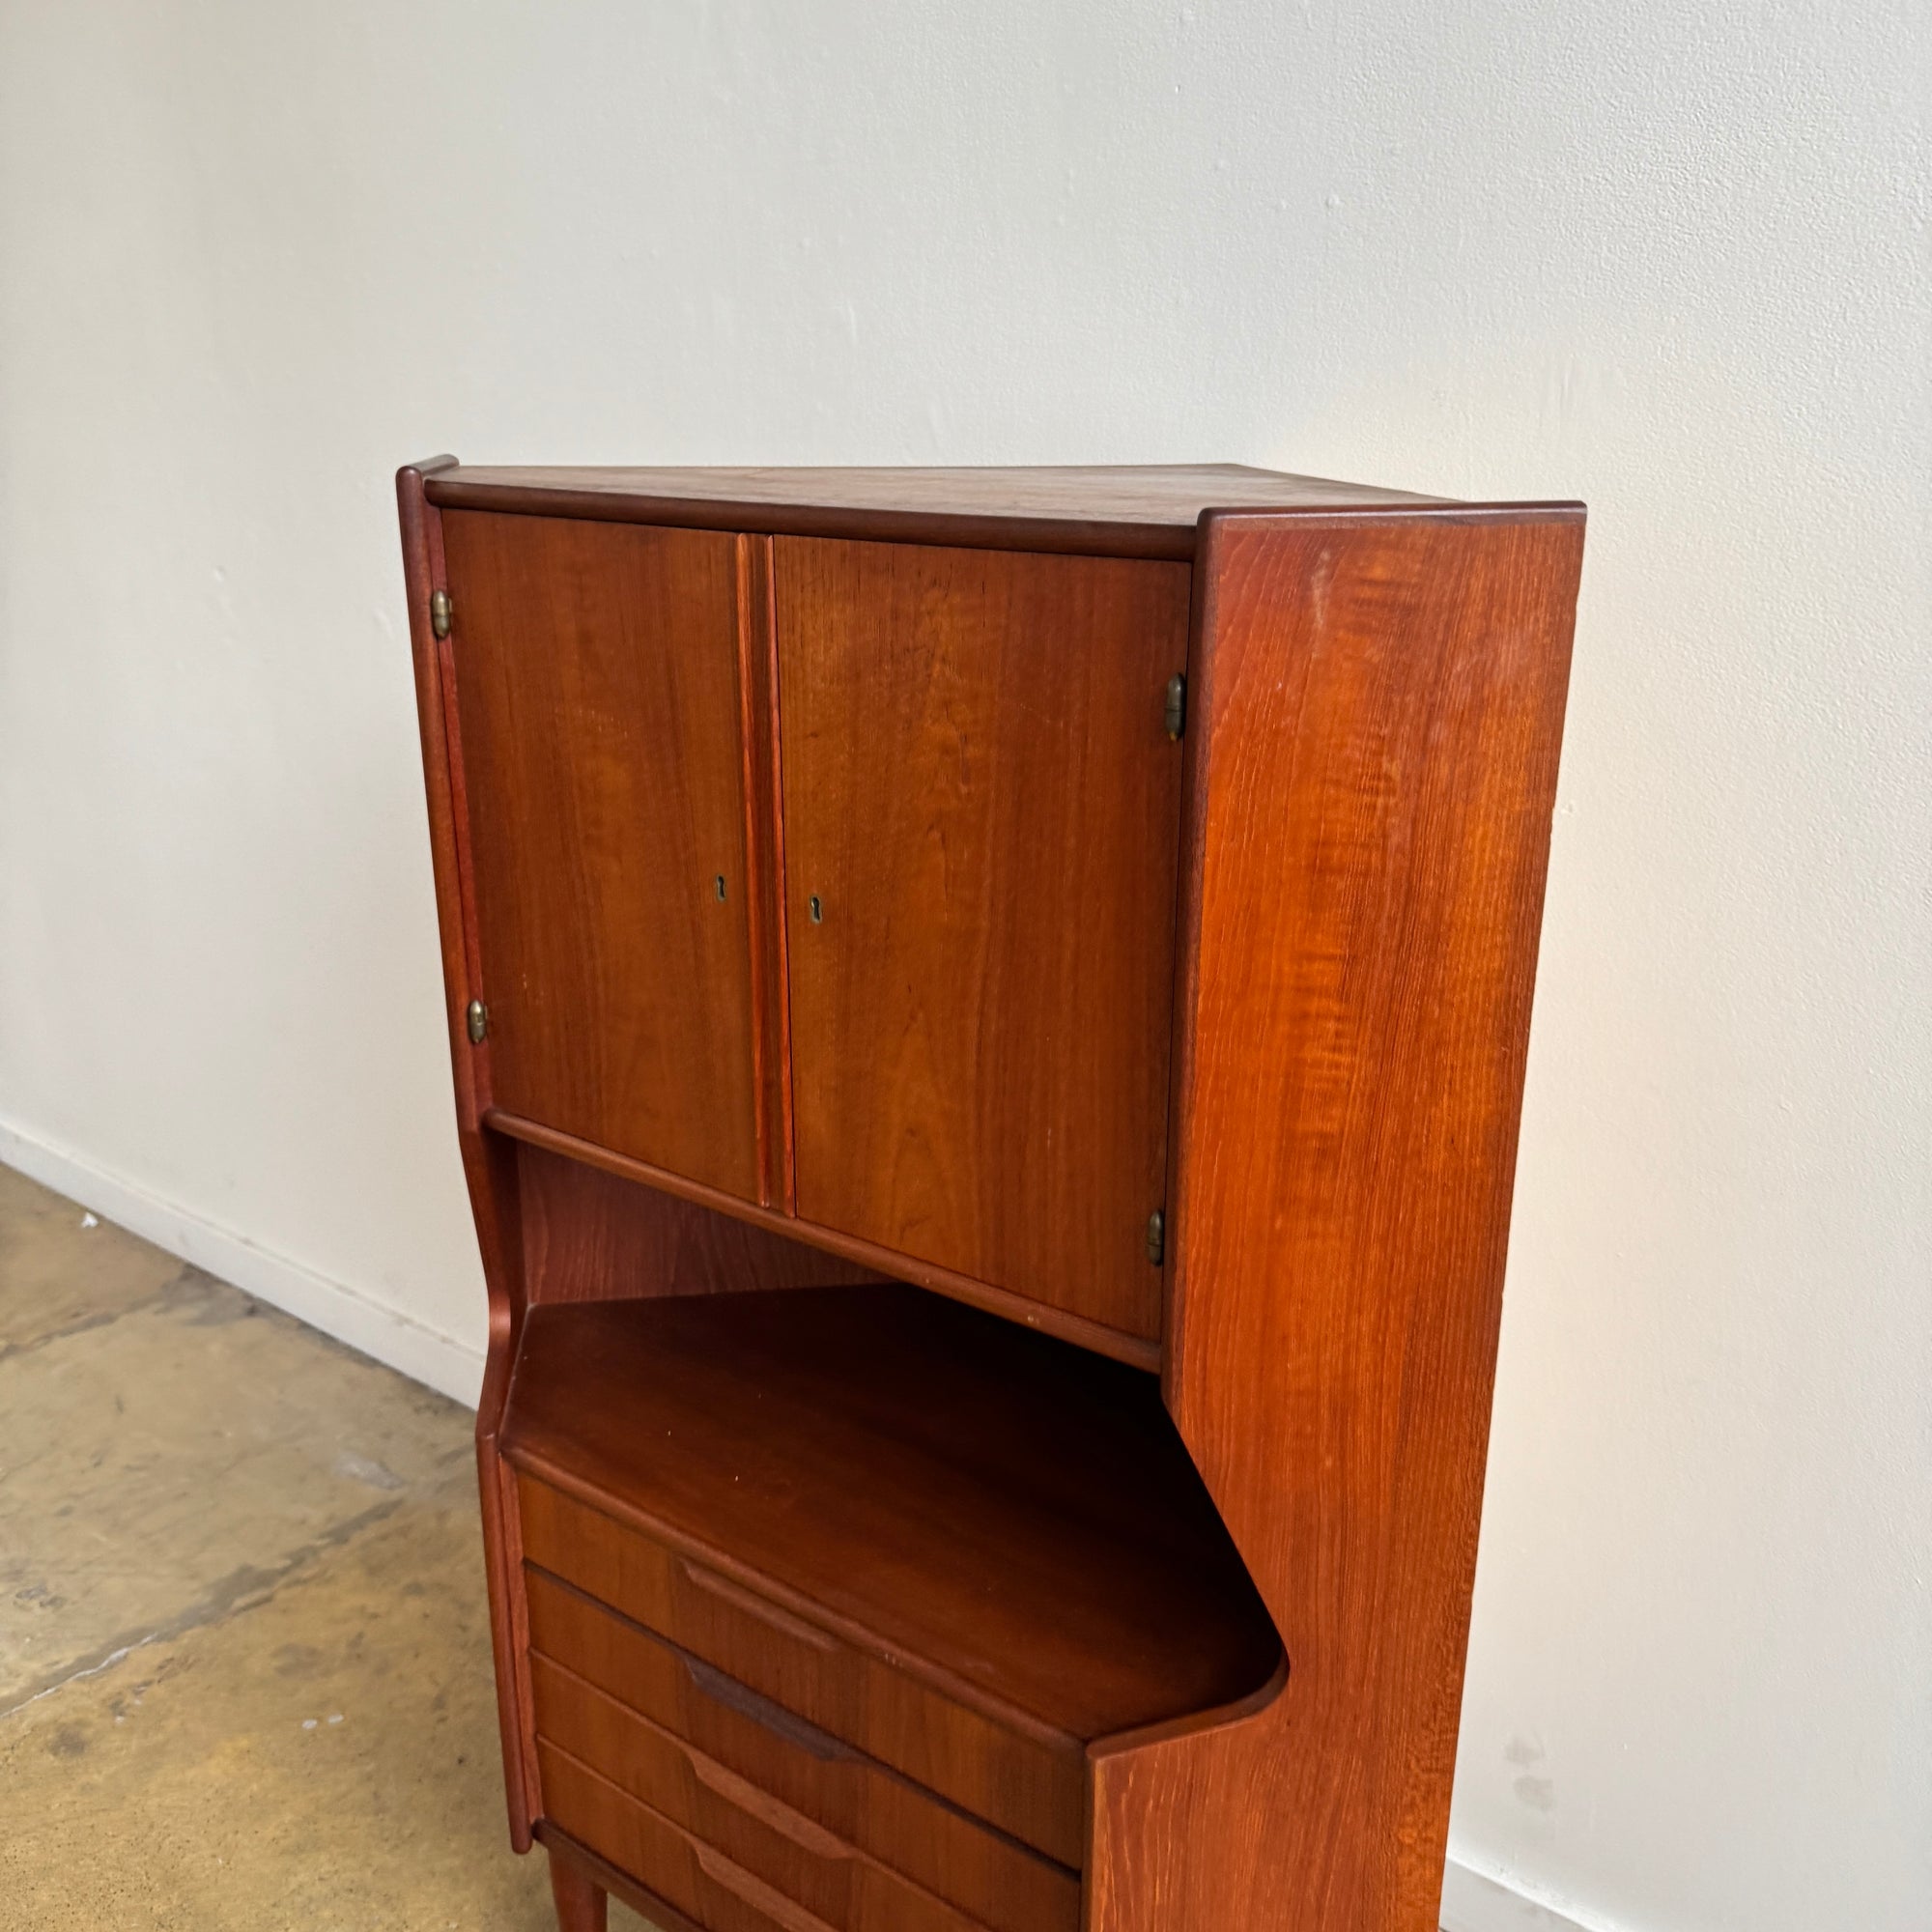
489 1166
764 865
1195 751
772 764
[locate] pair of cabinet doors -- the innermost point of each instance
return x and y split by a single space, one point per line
836 877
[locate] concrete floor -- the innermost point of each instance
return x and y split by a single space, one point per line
244 1669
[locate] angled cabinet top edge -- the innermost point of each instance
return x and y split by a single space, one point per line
1144 511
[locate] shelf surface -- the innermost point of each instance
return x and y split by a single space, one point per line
990 1506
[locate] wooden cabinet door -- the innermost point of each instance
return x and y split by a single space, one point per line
981 829
603 769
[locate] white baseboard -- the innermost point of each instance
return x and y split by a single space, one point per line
424 1354
1474 1901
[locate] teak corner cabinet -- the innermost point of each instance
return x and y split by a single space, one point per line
988 1012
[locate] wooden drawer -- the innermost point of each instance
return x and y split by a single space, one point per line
1031 1786
690 1876
822 1871
874 1809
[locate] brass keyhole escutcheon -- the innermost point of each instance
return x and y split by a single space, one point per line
721 885
816 910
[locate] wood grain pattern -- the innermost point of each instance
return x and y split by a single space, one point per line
1126 511
999 1765
590 1235
981 797
597 672
1003 1524
886 1263
582 1904
752 1825
987 1875
715 1892
1382 704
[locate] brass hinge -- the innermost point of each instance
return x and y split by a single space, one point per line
1156 1245
477 1016
440 610
1176 706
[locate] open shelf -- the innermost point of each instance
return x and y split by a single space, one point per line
1003 1514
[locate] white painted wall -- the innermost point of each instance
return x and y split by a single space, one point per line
1668 255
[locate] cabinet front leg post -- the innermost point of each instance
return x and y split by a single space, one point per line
581 1905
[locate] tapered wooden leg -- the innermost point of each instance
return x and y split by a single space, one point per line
581 1906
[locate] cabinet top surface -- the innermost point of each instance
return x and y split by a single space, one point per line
1148 510
1172 494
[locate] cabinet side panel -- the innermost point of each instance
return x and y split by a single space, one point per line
1381 699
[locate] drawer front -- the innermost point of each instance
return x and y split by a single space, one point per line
694 1878
1027 1786
754 1829
985 1874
